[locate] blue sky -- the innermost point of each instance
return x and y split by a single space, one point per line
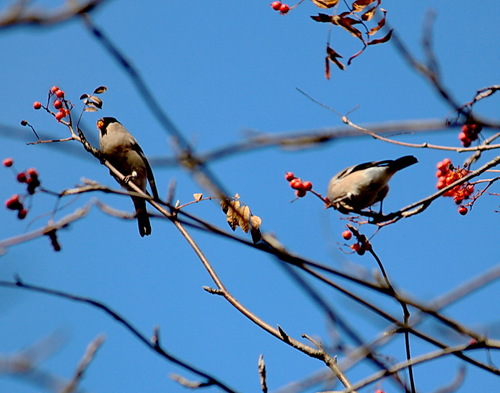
220 69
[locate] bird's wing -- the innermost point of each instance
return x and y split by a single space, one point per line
149 171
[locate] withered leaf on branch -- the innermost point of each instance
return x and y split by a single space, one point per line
323 18
368 14
381 40
347 23
239 216
381 24
100 90
360 5
325 3
197 197
333 56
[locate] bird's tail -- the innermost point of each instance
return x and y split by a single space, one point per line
403 162
142 217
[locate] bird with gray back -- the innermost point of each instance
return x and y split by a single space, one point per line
363 185
121 149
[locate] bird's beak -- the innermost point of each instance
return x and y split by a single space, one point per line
100 124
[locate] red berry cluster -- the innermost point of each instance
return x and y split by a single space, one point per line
300 187
59 103
361 246
448 174
14 203
30 177
469 133
279 6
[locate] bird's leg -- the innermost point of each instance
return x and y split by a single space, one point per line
127 179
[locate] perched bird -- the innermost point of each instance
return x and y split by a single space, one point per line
121 149
363 185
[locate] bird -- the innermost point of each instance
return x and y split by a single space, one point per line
360 186
121 149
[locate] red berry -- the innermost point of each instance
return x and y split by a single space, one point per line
347 235
7 162
463 210
37 105
33 173
53 89
477 128
307 185
444 165
296 184
300 193
13 203
21 177
289 176
60 115
276 5
466 142
59 93
21 214
58 104
284 9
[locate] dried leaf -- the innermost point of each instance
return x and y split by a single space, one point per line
323 18
100 90
368 15
347 23
197 197
381 24
381 40
332 56
255 222
360 5
327 67
243 217
325 3
90 109
96 101
83 96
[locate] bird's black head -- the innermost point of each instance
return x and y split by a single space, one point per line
103 123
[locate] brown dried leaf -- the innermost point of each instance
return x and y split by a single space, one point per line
255 222
381 40
96 101
243 217
347 23
325 3
90 109
83 96
100 90
327 67
333 57
381 24
360 5
323 18
368 15
197 196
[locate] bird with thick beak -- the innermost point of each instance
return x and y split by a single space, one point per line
363 185
121 149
